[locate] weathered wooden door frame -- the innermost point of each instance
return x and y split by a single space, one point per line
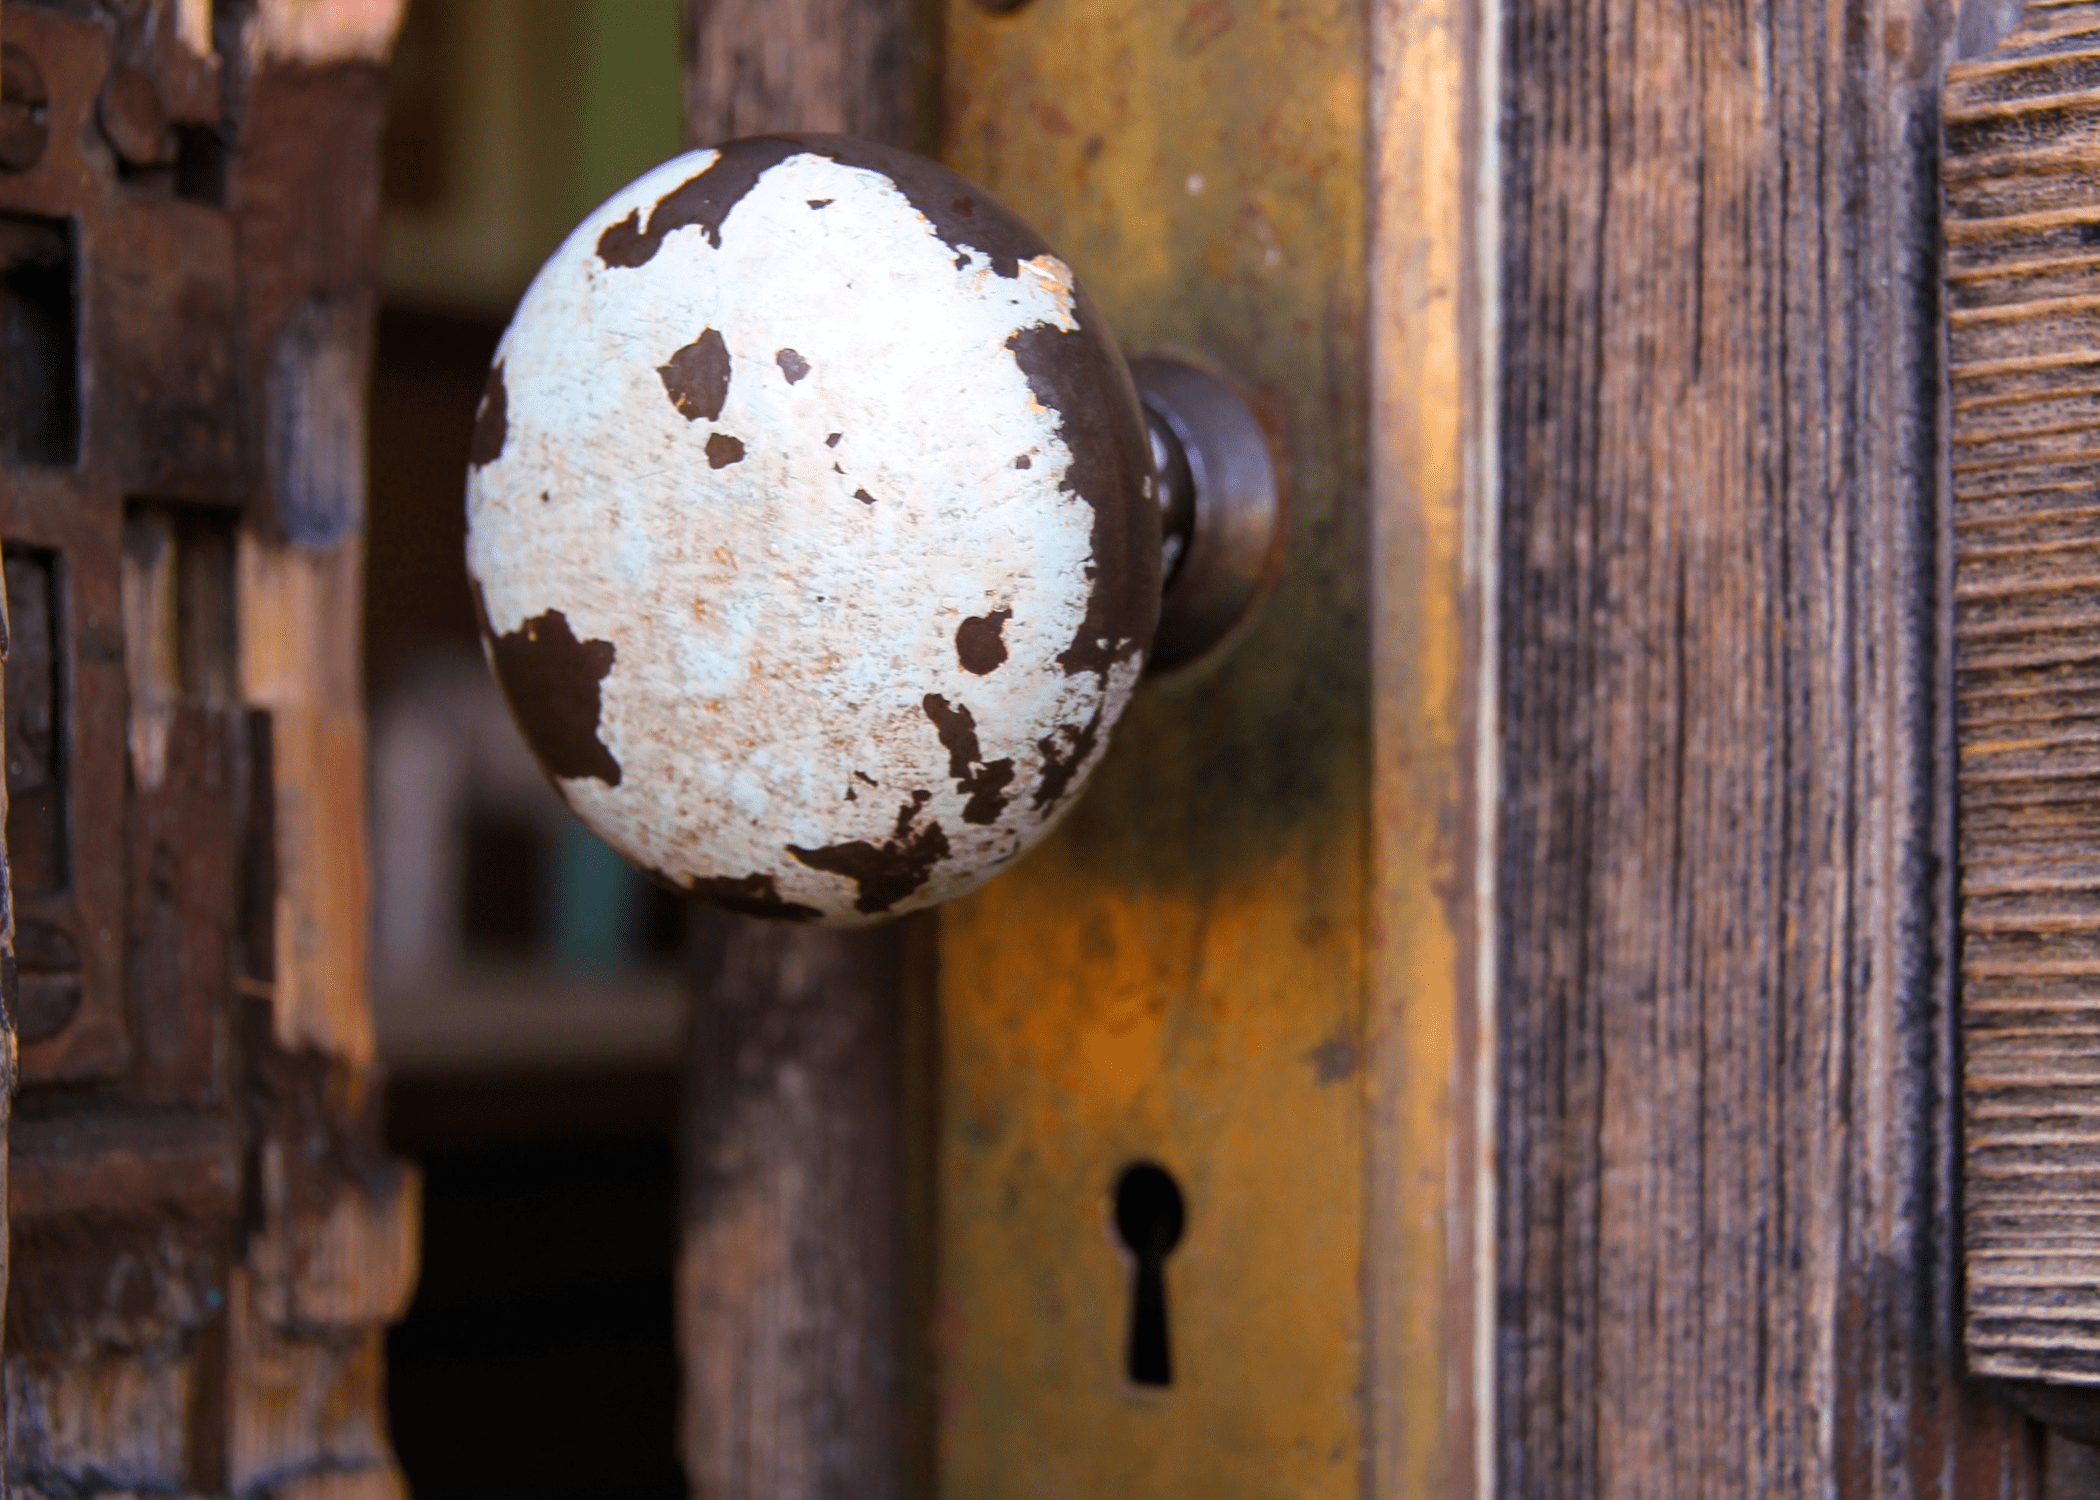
1435 123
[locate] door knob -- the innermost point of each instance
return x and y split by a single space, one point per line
819 531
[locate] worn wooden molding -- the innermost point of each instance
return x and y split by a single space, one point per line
1434 287
2022 186
206 1240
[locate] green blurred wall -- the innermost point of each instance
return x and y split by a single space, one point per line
509 120
630 111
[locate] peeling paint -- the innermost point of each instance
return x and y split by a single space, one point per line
696 378
486 445
751 896
703 201
768 622
980 643
984 781
551 681
1066 753
884 874
1124 603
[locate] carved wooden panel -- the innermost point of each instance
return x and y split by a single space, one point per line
205 1241
2022 184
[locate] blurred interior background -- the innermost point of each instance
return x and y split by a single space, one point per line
525 981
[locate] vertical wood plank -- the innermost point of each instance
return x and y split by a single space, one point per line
1727 1069
794 1296
843 66
790 1285
7 1027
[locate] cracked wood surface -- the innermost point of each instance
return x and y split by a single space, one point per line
1727 1163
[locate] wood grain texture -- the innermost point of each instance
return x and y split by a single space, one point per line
791 1291
1727 1164
850 66
801 1329
8 993
2022 176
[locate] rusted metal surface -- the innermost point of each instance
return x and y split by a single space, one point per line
205 1240
1178 974
811 517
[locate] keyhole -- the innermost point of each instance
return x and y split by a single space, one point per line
1149 1219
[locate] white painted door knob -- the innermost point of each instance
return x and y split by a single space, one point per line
816 527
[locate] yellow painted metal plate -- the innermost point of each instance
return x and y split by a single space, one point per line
1179 974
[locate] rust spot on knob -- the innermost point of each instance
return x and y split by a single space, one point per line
697 378
751 896
491 425
1061 761
884 873
551 681
1071 373
980 642
704 201
983 782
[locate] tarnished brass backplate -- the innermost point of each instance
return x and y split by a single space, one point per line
1178 975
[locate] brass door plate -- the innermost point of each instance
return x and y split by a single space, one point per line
1178 975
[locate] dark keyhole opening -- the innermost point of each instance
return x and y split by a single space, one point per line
1149 1220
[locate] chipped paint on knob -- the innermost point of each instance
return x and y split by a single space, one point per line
809 512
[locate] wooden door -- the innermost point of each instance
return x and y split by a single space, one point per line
205 1241
1527 948
1530 946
